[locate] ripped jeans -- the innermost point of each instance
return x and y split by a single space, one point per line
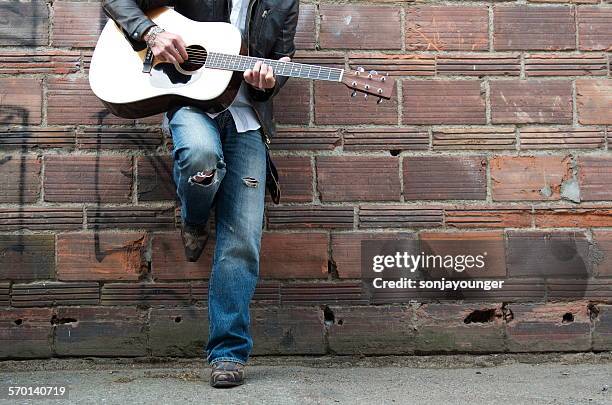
215 166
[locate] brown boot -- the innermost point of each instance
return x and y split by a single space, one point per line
194 240
226 374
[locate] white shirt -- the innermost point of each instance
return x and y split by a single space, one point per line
241 108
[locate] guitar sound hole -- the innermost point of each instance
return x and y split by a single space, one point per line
197 58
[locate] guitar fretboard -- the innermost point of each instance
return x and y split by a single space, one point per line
291 69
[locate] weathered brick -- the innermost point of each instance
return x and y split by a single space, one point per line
332 59
546 64
305 138
53 293
178 332
295 177
305 31
447 28
386 138
101 256
346 178
134 217
531 101
561 138
478 65
88 179
119 138
26 333
444 178
309 217
323 293
359 27
595 28
393 64
346 249
602 328
357 330
146 294
169 262
548 327
99 331
594 101
443 102
20 101
529 177
34 137
477 138
5 296
292 105
24 24
488 216
448 328
19 179
155 180
14 219
548 254
77 24
581 289
39 61
89 110
287 330
602 246
594 176
331 107
27 257
399 216
294 255
525 27
588 217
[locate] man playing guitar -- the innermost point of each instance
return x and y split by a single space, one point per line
221 161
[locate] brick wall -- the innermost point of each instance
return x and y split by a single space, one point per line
499 129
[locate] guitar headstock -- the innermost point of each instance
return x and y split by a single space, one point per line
370 83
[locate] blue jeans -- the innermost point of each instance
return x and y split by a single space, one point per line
215 166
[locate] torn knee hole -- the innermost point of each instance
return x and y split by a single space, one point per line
250 181
203 178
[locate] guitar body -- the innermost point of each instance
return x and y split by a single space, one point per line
116 72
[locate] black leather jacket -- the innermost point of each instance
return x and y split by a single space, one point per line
270 31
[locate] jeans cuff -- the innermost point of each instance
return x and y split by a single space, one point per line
235 360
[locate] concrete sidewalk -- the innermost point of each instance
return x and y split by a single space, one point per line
494 379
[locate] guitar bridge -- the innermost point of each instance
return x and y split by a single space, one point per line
148 61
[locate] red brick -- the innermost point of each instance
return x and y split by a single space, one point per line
99 331
27 257
529 178
334 106
448 28
24 24
309 216
565 65
323 292
305 32
332 59
579 289
594 174
19 179
295 177
26 333
476 138
346 249
54 293
526 27
399 216
169 263
178 332
561 138
594 101
19 218
133 217
540 327
305 138
602 328
359 27
294 255
588 217
77 24
602 244
478 65
547 254
393 64
101 256
63 108
155 180
444 178
488 217
292 105
146 294
35 137
595 28
531 101
443 102
346 178
20 101
88 179
119 138
39 61
393 139
443 328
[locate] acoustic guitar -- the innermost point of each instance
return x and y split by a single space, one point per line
132 84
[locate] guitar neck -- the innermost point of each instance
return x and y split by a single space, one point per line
291 69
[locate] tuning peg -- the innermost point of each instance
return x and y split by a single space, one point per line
372 72
360 69
379 100
365 96
354 93
382 79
